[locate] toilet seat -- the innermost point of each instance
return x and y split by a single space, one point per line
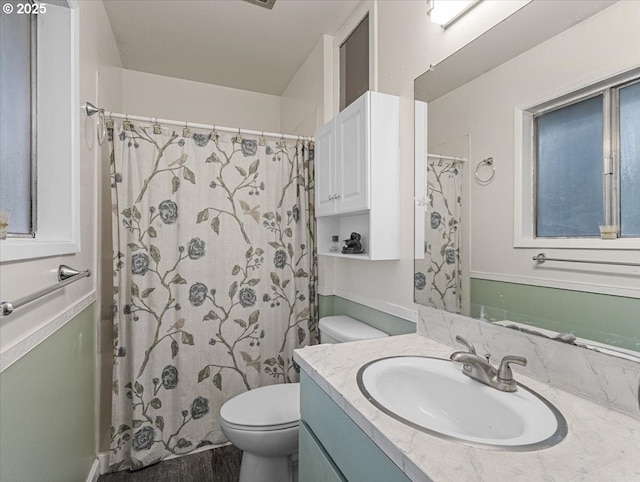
264 428
274 407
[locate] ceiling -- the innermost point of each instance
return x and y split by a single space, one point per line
223 42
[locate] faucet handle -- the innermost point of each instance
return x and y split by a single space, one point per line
468 344
504 371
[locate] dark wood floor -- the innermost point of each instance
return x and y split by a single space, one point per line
218 465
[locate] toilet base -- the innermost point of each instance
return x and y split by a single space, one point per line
255 468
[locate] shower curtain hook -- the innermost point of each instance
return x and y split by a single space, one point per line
261 141
186 132
157 129
110 122
126 125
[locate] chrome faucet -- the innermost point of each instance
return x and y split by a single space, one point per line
479 368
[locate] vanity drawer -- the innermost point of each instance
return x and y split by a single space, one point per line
317 464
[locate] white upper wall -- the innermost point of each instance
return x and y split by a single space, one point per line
600 47
302 102
153 95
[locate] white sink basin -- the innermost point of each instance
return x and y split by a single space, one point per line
432 395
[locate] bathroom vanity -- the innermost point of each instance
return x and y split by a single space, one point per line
345 437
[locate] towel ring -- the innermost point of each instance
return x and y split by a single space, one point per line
489 163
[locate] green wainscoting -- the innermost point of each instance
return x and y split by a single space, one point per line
614 320
394 325
47 407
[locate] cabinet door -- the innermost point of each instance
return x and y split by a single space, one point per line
352 157
325 170
314 463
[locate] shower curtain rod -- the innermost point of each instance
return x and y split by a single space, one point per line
447 158
92 109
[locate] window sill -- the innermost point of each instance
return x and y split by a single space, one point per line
576 243
21 249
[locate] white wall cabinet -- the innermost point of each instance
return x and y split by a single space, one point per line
357 178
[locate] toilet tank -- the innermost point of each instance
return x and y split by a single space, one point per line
342 328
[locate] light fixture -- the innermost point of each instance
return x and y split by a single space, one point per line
445 12
263 3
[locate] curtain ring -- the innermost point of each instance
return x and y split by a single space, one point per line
126 125
110 123
101 127
489 163
157 129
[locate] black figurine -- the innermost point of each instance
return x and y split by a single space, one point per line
353 245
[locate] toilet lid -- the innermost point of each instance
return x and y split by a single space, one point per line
265 408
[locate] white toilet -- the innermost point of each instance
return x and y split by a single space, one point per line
263 422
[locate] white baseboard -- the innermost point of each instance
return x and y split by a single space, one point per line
103 460
94 473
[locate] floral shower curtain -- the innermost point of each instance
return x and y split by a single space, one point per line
438 278
214 279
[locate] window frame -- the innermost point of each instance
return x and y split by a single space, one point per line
525 165
365 8
33 140
57 176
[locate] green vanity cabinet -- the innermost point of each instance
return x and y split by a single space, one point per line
333 447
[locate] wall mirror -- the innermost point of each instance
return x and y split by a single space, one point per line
472 253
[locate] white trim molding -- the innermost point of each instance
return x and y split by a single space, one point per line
559 284
13 353
383 306
94 473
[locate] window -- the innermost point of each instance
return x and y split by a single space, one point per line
18 100
630 160
354 64
587 164
50 226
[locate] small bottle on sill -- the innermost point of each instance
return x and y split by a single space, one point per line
334 247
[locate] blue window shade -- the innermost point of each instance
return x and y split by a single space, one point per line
569 171
630 160
15 119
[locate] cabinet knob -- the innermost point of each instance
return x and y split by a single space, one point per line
331 198
337 196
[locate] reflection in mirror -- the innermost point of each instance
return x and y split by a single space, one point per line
485 268
438 272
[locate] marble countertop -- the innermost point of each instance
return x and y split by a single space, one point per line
601 444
